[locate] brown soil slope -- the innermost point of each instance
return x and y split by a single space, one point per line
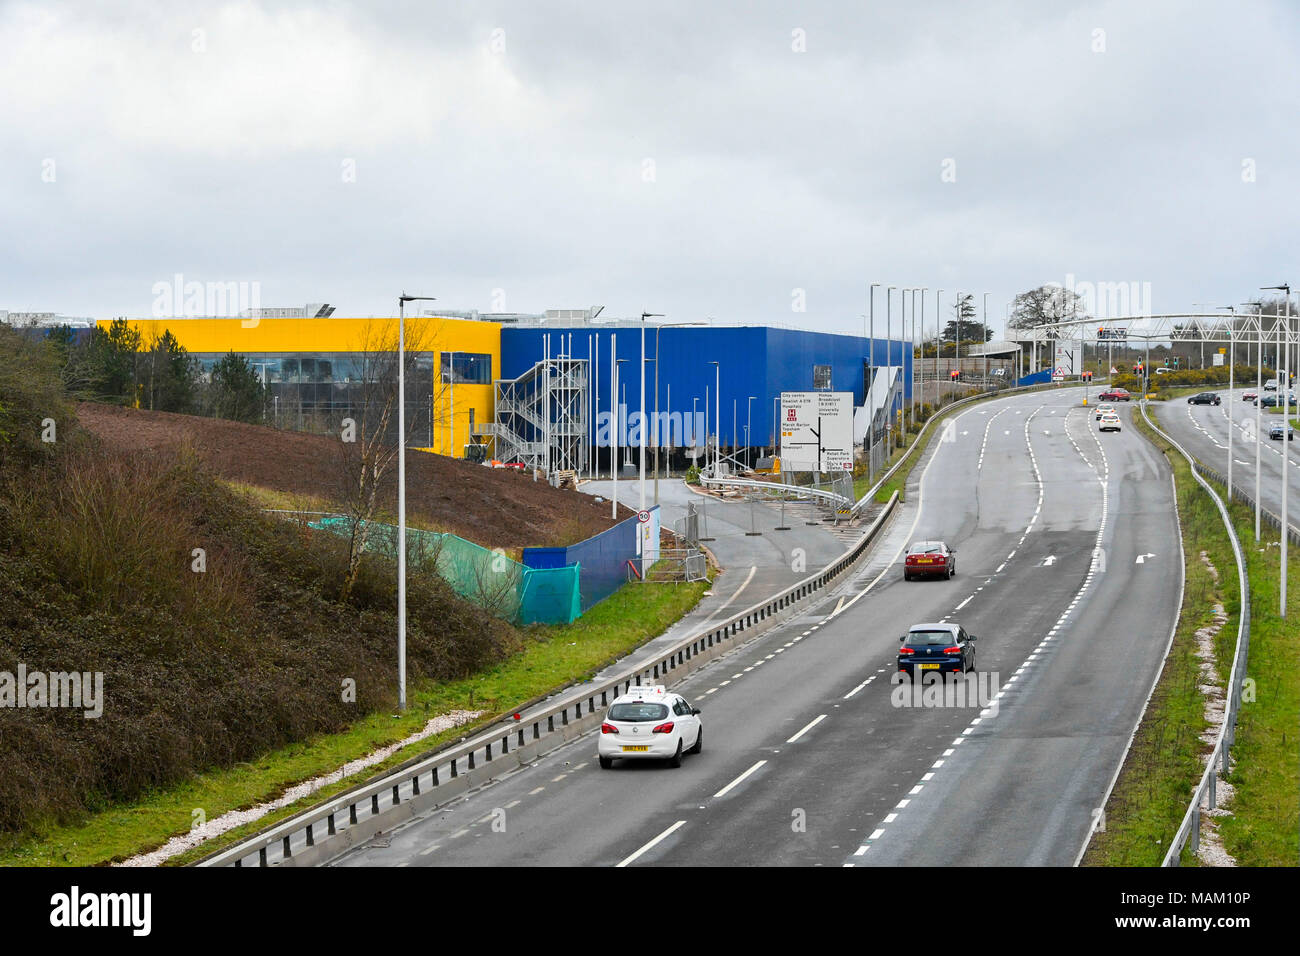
493 507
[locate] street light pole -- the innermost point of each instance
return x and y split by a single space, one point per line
1284 389
401 492
984 338
1232 349
889 360
749 421
871 382
644 316
717 419
938 322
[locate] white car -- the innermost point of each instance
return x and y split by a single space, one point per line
1103 410
649 723
1109 422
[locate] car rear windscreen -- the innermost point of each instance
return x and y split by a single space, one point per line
925 638
640 711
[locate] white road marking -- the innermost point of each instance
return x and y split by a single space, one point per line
735 783
858 688
653 843
429 849
807 727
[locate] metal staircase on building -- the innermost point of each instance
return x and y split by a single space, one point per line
542 417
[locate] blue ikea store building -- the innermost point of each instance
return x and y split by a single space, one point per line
755 364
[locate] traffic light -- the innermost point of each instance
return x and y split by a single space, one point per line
955 375
1175 361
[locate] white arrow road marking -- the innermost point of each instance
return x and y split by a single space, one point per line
1049 561
1142 558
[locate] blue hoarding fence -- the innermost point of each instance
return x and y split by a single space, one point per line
490 579
602 560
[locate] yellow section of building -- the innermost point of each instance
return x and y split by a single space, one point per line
456 404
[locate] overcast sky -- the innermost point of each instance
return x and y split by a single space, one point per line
732 160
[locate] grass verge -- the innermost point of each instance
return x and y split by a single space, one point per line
1166 760
555 657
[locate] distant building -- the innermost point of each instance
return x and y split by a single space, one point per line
44 320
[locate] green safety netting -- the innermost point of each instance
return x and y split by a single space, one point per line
490 579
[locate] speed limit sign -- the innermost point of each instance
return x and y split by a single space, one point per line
643 516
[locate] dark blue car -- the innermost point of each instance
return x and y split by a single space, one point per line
941 648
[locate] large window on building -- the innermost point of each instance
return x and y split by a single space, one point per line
466 368
821 376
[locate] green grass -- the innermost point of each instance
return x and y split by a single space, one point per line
1262 830
1151 794
555 657
1166 761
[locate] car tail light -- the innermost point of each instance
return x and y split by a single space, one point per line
952 650
941 559
906 650
608 729
663 728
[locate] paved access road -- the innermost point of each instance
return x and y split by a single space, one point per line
807 761
1204 429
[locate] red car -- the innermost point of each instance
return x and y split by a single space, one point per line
1249 396
929 558
1115 395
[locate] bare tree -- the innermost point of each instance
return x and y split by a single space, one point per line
1046 305
368 447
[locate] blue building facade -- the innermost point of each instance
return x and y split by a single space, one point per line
755 364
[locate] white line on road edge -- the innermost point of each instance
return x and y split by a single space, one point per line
735 783
892 565
859 687
807 727
653 843
709 620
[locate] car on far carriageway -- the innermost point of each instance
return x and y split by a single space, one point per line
1275 432
1109 423
649 723
1205 398
1250 396
942 648
929 558
1115 395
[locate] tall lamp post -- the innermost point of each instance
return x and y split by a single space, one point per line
658 443
401 491
938 324
1284 392
644 316
717 419
889 358
984 338
871 381
618 415
1232 350
749 420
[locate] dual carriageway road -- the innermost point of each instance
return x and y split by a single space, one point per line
807 759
